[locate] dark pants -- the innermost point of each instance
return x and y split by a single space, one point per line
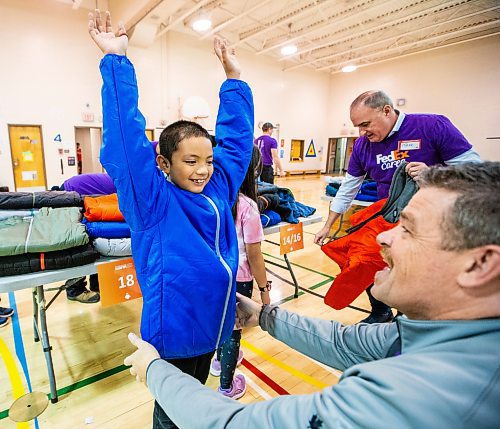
80 285
198 367
227 354
378 307
267 174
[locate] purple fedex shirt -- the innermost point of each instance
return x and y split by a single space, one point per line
265 143
427 138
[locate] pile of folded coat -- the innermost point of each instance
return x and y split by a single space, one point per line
106 226
278 204
42 231
367 191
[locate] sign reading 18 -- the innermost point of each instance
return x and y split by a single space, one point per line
290 239
128 281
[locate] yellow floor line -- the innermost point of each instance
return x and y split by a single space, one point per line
14 376
284 366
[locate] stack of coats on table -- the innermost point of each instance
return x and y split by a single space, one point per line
42 231
367 191
278 204
106 226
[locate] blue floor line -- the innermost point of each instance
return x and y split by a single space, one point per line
19 344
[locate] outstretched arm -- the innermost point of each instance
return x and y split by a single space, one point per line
227 57
234 128
101 31
126 154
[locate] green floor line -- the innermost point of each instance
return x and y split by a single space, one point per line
301 266
80 384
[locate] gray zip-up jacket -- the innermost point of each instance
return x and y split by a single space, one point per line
440 374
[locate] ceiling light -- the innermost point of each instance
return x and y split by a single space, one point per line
202 24
349 68
288 50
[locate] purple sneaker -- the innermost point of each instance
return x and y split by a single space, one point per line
215 365
215 368
238 388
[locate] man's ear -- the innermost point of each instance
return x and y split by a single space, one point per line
163 163
387 110
482 267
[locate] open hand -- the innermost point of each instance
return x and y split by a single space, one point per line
227 58
141 358
102 33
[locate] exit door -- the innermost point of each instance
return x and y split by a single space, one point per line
28 164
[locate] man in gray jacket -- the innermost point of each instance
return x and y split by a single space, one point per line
436 367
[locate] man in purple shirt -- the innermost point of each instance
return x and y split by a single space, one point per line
387 137
268 147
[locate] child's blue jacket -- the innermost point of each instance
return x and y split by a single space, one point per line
184 244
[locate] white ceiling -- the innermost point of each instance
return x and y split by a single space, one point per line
329 34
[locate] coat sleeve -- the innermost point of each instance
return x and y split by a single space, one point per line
327 341
126 153
234 135
348 404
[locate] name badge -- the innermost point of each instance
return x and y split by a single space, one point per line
409 144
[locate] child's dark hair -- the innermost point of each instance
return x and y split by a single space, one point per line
172 135
249 186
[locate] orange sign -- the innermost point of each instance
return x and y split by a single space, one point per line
118 282
291 238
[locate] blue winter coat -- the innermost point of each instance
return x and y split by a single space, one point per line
184 244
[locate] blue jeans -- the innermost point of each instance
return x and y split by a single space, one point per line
198 367
227 354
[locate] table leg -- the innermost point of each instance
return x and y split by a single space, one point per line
47 349
296 294
35 316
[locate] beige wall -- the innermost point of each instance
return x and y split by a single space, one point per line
50 77
461 82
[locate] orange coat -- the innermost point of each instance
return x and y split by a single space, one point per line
103 209
358 256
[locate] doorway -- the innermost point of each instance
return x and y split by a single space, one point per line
28 163
339 153
88 142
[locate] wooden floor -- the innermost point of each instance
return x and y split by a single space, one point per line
89 343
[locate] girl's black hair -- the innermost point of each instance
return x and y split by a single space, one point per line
249 186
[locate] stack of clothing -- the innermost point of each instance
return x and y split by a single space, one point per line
278 204
42 231
367 192
106 226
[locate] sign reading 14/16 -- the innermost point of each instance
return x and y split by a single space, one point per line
291 238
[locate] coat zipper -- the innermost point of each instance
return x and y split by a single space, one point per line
226 266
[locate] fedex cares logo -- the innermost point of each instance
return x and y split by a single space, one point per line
392 160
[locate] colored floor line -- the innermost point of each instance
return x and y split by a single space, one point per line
120 368
82 383
14 376
271 383
301 266
291 370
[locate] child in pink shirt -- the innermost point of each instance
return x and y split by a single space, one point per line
250 266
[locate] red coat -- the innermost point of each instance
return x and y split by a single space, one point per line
358 256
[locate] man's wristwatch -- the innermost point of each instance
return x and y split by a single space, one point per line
267 287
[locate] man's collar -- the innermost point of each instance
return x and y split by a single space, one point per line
397 125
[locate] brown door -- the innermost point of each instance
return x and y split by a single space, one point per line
26 148
150 134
